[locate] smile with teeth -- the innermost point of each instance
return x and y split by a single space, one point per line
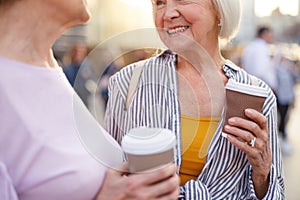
177 30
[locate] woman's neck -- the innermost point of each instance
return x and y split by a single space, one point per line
27 37
208 64
201 60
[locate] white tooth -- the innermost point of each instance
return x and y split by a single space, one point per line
176 30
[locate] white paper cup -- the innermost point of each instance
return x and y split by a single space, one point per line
148 148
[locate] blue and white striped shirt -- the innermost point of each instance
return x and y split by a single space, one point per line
227 172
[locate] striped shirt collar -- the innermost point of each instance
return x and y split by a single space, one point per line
229 67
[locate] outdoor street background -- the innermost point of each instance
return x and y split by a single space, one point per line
291 163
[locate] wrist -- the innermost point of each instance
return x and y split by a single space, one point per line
260 178
261 184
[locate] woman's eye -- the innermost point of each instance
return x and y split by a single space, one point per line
159 3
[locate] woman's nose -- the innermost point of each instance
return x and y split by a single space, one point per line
171 10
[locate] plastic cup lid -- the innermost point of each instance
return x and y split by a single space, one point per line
144 140
245 88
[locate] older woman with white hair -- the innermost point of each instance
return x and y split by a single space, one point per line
183 89
41 156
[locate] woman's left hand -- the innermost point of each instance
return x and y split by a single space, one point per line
252 137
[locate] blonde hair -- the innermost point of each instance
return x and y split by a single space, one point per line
229 12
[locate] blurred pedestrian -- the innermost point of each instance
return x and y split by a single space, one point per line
286 79
80 72
110 70
256 57
75 58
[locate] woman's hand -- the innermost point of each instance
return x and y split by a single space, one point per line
159 184
251 136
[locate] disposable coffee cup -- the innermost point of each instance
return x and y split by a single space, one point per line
148 148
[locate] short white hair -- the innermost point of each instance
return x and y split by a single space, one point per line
229 12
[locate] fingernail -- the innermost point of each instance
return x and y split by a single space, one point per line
224 135
231 120
227 127
249 111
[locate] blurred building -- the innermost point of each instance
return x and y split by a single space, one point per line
248 22
286 27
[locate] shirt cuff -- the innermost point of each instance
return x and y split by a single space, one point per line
271 189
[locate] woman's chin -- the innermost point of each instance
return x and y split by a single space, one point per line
179 46
84 17
178 42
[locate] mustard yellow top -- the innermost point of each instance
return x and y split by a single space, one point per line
197 134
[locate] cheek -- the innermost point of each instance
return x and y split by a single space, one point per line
158 19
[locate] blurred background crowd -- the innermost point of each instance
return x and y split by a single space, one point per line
91 53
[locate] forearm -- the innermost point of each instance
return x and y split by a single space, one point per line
271 186
275 188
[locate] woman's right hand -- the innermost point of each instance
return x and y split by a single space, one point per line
162 183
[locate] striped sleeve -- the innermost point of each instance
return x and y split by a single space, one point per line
114 120
194 190
276 188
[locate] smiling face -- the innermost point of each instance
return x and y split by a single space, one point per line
179 22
